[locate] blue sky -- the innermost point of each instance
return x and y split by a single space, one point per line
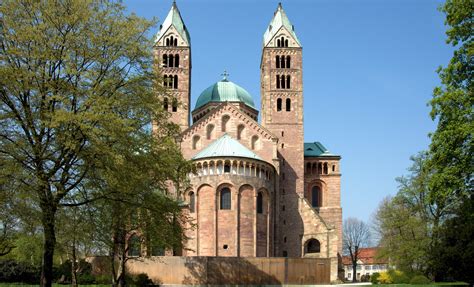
369 71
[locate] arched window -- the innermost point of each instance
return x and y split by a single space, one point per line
282 62
288 105
325 168
167 42
175 42
225 120
278 43
174 107
134 246
308 167
333 168
277 60
225 198
260 203
165 81
254 143
279 103
176 61
170 61
283 42
286 43
196 142
165 104
175 85
288 81
209 130
313 246
288 62
316 196
320 168
282 82
226 167
240 131
165 60
192 202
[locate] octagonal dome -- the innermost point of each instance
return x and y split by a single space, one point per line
224 91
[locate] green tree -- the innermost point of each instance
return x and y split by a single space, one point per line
77 92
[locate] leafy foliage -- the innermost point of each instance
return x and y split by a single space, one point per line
13 271
420 280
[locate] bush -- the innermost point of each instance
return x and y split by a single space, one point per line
365 278
104 279
398 277
385 278
13 271
142 280
419 280
375 278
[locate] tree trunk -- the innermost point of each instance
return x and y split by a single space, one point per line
354 270
73 265
48 221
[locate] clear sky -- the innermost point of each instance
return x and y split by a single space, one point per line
369 69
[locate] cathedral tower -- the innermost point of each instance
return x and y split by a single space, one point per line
172 52
282 113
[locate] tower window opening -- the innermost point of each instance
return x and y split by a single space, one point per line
260 203
282 82
320 168
278 43
225 198
325 168
313 246
288 81
209 130
288 105
175 42
175 84
176 61
279 105
170 61
333 168
240 130
278 81
227 168
288 62
196 142
165 60
286 43
225 120
277 60
254 142
282 133
282 62
165 104
192 202
175 105
284 239
316 196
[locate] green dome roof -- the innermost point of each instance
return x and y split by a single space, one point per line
224 91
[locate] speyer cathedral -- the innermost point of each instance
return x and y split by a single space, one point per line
260 190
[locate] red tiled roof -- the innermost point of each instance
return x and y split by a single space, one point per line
367 256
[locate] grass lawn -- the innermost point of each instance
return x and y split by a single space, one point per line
438 284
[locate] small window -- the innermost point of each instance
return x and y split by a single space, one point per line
225 198
134 246
175 105
288 61
278 43
288 82
282 133
260 203
315 196
325 168
176 61
313 246
175 84
225 120
279 101
282 208
277 60
196 142
254 143
165 104
333 168
288 105
192 202
278 81
240 130
157 250
209 131
165 60
225 246
285 253
284 239
227 168
170 61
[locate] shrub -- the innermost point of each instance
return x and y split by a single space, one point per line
420 280
385 278
104 279
375 278
142 280
398 277
13 271
85 279
365 278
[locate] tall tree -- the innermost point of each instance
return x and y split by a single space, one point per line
76 88
356 234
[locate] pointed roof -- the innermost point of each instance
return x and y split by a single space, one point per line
316 149
226 146
279 20
174 19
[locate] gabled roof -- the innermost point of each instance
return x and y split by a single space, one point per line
226 146
316 149
366 256
279 20
174 19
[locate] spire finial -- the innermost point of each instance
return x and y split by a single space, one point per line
279 5
224 75
174 3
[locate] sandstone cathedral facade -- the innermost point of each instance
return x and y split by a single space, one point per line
259 189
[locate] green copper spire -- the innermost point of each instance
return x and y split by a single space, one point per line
174 19
279 20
